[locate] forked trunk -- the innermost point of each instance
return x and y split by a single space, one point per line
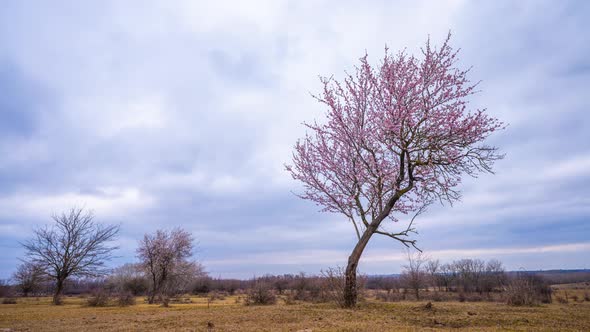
153 294
154 290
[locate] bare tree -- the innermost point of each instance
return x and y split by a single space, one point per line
28 277
165 257
470 273
433 269
74 246
495 276
446 276
414 276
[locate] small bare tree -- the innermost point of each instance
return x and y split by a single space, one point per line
28 277
335 283
414 276
495 276
165 257
433 269
74 246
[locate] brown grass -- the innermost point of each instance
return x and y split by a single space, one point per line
36 314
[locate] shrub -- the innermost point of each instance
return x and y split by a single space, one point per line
474 298
98 298
462 297
9 300
586 297
213 296
526 289
290 299
125 299
164 300
201 286
5 289
437 297
260 294
334 281
561 300
388 297
136 285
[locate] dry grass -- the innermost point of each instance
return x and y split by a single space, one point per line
33 314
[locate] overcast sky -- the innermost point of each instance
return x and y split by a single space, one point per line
183 113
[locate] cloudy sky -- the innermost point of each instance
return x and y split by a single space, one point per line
183 113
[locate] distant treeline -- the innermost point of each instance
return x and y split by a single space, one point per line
559 276
464 279
69 258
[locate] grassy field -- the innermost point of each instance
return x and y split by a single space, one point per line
36 314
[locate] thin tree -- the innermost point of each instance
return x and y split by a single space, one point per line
433 269
165 257
74 246
414 274
397 137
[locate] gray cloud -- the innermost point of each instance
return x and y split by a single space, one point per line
183 113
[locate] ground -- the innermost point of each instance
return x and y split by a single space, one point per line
36 314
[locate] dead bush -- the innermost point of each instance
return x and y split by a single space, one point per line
437 297
462 297
125 299
525 289
214 296
98 298
389 296
260 294
334 282
9 300
586 297
289 299
180 299
474 297
561 300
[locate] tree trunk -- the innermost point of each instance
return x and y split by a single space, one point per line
152 296
58 289
350 293
350 287
154 289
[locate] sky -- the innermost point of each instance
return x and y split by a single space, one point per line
167 114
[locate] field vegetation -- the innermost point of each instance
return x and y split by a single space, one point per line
222 312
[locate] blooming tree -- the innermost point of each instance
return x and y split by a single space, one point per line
397 137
